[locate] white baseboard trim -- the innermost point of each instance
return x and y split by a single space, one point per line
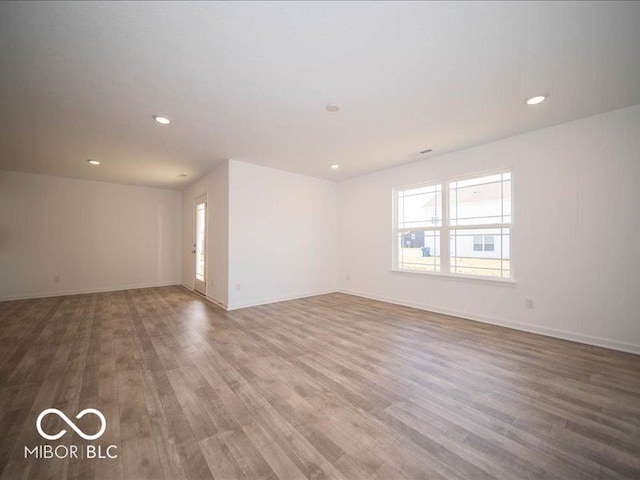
209 298
546 331
217 302
265 301
88 290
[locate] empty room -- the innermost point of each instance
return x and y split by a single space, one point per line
320 240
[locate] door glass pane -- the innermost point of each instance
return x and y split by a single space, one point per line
200 230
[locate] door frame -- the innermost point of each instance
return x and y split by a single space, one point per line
197 200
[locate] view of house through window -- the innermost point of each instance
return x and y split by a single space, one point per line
483 243
419 220
455 226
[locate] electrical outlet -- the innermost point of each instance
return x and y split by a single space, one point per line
238 287
348 277
56 278
528 303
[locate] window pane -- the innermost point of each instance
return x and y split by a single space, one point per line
477 243
419 250
477 239
420 207
493 261
481 200
488 243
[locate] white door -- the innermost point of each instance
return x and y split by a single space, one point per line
200 246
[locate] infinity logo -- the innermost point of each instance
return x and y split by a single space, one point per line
71 424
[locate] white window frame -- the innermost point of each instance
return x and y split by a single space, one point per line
445 230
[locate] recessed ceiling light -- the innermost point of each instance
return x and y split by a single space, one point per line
332 107
536 100
428 150
183 174
94 162
162 120
335 166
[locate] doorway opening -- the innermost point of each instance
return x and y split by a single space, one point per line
200 245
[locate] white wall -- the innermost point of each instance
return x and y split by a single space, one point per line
576 237
94 236
275 235
216 185
282 235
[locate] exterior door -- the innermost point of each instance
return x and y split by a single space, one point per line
200 246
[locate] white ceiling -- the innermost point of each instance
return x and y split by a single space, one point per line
250 81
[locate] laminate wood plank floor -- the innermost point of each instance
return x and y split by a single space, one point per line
332 386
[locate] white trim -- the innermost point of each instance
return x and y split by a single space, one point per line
284 298
507 282
215 301
89 290
480 173
546 331
445 232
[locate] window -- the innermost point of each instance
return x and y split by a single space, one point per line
419 220
483 243
457 226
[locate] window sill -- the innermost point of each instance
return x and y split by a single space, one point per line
503 282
